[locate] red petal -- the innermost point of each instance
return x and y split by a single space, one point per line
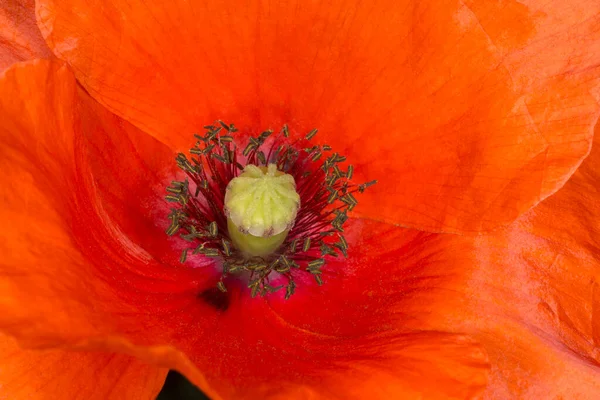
84 284
69 277
20 38
421 99
68 375
535 298
66 255
40 258
129 171
412 295
374 329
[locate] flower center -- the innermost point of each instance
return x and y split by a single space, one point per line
267 213
261 205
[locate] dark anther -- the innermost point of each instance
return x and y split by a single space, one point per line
214 297
197 217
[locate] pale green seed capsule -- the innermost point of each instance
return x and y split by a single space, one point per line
261 205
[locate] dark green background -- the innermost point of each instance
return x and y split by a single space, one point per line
178 388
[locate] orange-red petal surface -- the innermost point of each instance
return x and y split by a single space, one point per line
375 329
59 374
389 321
66 256
20 37
69 277
73 276
462 134
46 284
535 298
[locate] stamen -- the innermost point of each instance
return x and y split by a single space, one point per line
311 134
306 245
311 235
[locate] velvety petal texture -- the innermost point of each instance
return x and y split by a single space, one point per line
535 298
38 191
374 334
466 124
82 259
463 131
69 277
20 37
53 374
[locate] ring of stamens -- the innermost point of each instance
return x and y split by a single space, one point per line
325 188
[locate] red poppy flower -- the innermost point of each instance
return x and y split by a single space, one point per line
468 114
